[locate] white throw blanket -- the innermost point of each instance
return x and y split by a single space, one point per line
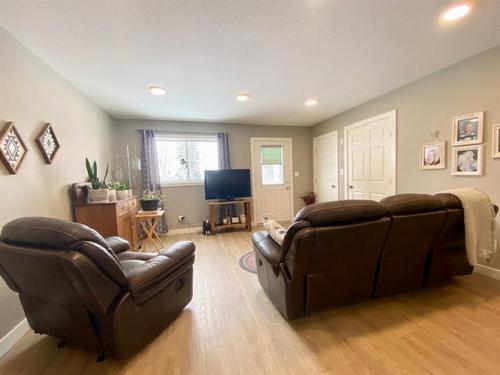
479 220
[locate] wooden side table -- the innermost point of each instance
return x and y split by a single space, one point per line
148 221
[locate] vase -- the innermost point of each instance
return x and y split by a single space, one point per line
152 205
99 195
121 194
112 195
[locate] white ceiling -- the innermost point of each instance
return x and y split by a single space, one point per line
204 52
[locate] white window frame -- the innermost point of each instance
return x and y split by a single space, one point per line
186 137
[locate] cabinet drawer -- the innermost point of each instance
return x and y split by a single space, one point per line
122 208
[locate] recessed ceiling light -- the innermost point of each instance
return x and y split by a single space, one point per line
157 90
310 102
243 97
456 12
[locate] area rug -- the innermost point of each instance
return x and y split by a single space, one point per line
248 262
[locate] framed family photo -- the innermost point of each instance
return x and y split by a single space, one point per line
495 152
467 129
468 161
433 156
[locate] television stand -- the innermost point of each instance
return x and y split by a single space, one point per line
247 210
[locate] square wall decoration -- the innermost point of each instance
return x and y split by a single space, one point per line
48 143
12 148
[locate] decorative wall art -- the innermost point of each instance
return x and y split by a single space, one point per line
48 143
12 148
433 156
495 148
467 129
468 161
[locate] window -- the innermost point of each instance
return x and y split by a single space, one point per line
272 165
184 158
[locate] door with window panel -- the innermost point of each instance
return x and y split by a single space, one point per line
271 173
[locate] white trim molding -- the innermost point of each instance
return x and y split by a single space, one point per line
11 338
487 271
173 232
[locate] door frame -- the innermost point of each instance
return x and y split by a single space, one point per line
338 162
253 140
392 115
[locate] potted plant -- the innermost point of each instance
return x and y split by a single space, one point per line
99 191
113 187
309 198
121 192
128 189
150 200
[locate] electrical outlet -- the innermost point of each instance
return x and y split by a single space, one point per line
181 218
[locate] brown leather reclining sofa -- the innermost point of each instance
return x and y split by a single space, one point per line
343 252
82 288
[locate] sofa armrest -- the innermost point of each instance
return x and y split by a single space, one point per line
148 277
117 244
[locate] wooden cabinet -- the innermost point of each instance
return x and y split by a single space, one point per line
110 219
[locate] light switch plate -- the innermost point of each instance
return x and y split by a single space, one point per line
296 174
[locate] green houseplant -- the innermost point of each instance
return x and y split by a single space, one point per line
99 192
150 200
121 191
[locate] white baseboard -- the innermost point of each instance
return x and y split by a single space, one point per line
183 231
487 271
11 338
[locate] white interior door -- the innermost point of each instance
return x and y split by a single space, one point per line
272 178
325 160
370 158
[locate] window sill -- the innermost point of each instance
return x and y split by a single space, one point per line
183 184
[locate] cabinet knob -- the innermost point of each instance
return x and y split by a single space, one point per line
351 187
333 186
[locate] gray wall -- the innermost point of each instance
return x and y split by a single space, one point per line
469 86
190 200
31 93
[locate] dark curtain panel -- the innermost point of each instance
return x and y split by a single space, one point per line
150 170
223 143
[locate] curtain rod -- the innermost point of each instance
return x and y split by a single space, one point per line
182 132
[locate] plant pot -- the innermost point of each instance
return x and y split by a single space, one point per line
99 195
309 200
129 193
121 194
112 195
153 205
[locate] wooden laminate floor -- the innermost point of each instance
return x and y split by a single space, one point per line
231 327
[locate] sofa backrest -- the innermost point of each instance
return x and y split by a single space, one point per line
336 246
52 233
59 261
417 221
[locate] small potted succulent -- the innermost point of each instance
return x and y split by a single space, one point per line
128 189
309 198
150 200
113 187
99 192
121 192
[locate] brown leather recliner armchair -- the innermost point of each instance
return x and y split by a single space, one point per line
82 288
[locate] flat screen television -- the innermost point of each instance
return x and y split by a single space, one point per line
227 184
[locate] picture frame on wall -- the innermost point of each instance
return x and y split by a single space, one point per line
48 143
12 148
433 156
467 129
495 148
468 160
